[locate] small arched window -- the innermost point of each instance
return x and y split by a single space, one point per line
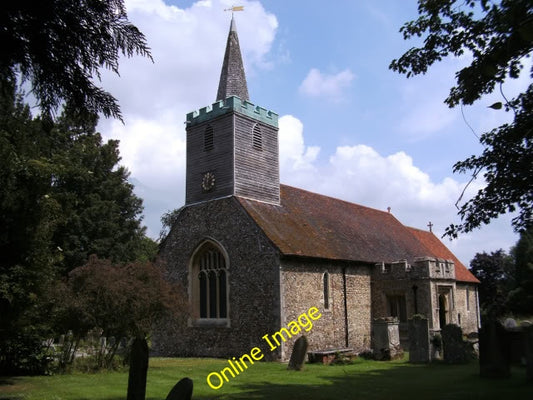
257 139
325 284
208 138
210 286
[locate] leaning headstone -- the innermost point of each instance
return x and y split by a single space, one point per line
386 339
453 345
419 349
181 390
494 358
298 354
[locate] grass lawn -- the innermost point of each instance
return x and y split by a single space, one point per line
361 380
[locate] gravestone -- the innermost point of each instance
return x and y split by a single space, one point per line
419 349
386 339
494 357
453 346
181 390
298 354
515 337
138 370
528 344
436 345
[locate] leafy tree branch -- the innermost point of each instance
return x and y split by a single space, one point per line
499 37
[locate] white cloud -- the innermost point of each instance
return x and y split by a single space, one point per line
330 86
154 152
359 174
188 45
293 154
188 48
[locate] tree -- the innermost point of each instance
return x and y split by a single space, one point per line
118 300
168 220
28 219
520 298
72 178
506 280
63 197
60 46
100 213
496 274
121 299
499 37
62 194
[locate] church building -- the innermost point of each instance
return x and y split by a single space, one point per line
254 254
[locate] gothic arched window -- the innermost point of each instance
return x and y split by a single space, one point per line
257 139
210 282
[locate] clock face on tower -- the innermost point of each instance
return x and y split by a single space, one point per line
208 181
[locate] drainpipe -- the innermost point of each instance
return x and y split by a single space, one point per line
346 337
415 288
477 310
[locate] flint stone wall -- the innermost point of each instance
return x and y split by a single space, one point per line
467 308
253 289
265 295
302 288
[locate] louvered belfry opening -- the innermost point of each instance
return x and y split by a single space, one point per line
257 139
209 143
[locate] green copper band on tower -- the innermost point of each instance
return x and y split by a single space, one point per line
232 104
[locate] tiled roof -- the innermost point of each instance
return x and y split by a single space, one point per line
312 225
438 249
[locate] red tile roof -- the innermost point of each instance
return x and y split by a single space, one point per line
438 249
313 225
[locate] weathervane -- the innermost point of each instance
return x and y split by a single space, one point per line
235 8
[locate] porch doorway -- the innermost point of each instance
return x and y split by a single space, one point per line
443 311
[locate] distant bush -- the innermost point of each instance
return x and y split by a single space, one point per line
114 301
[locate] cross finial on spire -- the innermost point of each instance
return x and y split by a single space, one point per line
430 225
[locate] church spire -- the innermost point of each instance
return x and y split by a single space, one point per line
232 77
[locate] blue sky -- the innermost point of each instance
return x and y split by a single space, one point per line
349 127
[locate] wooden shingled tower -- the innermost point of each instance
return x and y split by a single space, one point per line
232 145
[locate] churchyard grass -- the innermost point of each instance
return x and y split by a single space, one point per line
267 380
